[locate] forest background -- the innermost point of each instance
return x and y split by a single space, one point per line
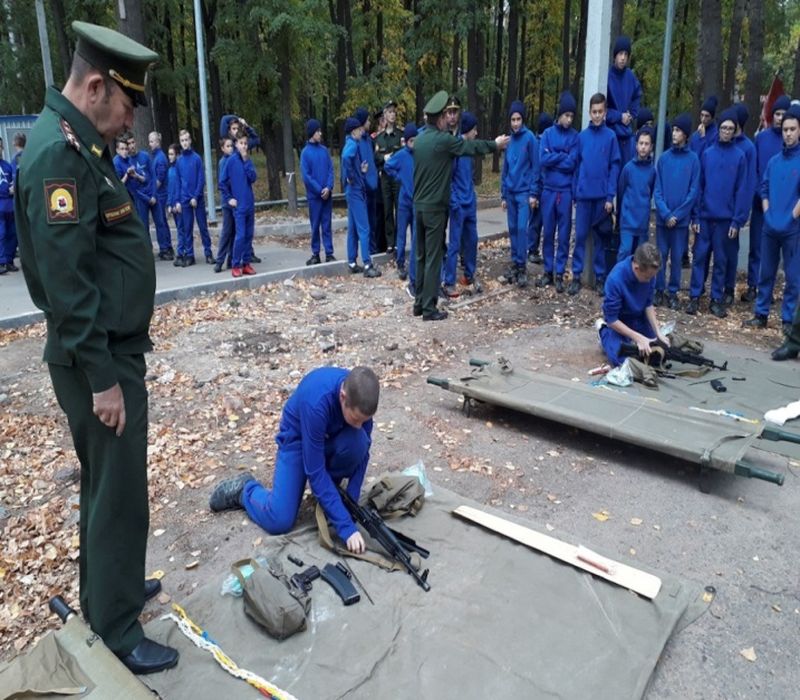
279 62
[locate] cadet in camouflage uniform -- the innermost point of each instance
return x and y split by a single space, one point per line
88 264
434 150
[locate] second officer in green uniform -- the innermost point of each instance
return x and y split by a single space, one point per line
434 150
88 264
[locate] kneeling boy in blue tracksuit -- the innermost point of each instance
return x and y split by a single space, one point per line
636 190
324 437
317 169
400 166
677 188
628 312
463 224
723 207
239 175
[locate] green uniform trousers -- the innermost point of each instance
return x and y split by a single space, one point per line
114 508
793 335
429 252
390 190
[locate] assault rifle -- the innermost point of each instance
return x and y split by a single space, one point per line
671 354
397 545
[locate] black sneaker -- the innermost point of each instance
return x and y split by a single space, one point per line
435 316
330 258
417 311
402 273
574 287
170 253
11 267
717 308
210 260
727 299
313 260
509 276
218 267
786 326
600 288
227 494
674 303
522 278
164 255
180 261
188 262
560 284
693 306
658 298
545 280
758 321
535 258
355 268
749 295
3 269
254 258
370 271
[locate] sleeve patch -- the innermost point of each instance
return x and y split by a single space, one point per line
61 198
123 211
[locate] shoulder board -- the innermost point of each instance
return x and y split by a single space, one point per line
69 134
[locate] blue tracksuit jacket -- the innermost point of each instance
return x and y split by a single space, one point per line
401 167
521 165
193 180
677 185
769 142
699 143
239 176
353 179
626 298
723 185
158 173
173 186
143 190
121 165
781 186
311 416
316 167
558 152
225 126
636 188
366 149
223 184
598 164
6 180
746 146
462 190
624 95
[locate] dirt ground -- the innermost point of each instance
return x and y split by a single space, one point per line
224 365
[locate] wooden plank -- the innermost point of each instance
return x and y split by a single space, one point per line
580 557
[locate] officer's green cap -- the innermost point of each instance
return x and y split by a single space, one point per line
437 103
116 55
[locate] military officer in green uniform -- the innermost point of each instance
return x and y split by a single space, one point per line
387 142
434 150
88 264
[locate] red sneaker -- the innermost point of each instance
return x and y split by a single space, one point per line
248 269
236 271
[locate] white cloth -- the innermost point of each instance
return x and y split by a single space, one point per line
780 415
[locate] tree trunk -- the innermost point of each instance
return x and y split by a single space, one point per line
348 27
60 25
565 44
498 81
710 49
131 24
523 55
617 17
418 84
272 151
474 75
684 32
341 60
734 46
379 36
796 80
209 12
455 63
755 66
286 120
366 15
187 93
581 57
513 38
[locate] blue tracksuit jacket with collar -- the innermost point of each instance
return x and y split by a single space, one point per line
677 185
521 165
598 164
558 152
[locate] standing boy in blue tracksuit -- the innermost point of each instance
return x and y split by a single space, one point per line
228 232
158 179
126 171
624 95
8 231
233 126
543 122
316 167
706 133
193 203
366 150
780 197
558 154
174 192
240 174
636 190
143 194
354 172
463 221
594 188
723 207
768 143
519 190
400 166
676 191
324 437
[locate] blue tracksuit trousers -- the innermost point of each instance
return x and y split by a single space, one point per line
463 240
672 243
226 236
517 211
590 215
713 237
534 230
773 246
754 256
244 222
556 217
612 342
275 509
320 212
405 219
190 215
8 237
630 240
358 229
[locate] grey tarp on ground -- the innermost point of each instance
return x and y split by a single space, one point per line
500 621
658 420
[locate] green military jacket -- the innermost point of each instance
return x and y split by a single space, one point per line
434 151
386 144
86 256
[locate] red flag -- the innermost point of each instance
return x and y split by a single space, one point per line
775 91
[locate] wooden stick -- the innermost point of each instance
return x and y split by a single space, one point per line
580 557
